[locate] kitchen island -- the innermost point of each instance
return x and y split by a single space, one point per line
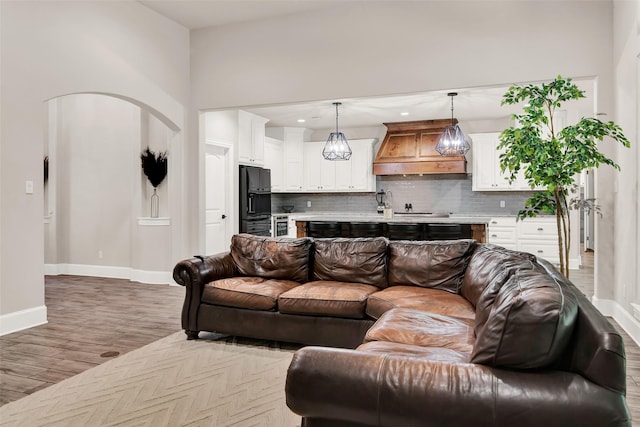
474 227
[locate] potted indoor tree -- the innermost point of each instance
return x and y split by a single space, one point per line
550 157
154 167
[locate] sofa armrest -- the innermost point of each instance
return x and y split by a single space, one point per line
193 274
204 269
394 390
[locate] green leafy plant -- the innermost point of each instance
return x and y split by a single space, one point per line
154 166
550 157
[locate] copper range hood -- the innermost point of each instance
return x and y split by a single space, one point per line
409 149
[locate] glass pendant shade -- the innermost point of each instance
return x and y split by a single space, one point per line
337 147
453 142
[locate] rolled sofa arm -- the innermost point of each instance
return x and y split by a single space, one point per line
350 386
193 274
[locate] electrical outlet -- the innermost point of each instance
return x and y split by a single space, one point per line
100 254
28 187
502 204
308 203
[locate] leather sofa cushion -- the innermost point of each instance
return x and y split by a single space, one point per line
414 327
418 298
430 353
272 258
359 260
254 293
433 264
530 322
327 298
491 265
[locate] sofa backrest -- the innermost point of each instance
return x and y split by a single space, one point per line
488 269
429 264
529 324
596 349
272 258
360 260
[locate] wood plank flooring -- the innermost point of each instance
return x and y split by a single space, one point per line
90 316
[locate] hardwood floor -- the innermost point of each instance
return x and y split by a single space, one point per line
90 321
91 317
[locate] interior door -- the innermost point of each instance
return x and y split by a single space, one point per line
216 176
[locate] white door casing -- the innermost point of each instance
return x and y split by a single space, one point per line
217 177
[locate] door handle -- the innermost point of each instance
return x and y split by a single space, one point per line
223 216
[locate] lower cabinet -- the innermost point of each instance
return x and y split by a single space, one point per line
538 236
502 232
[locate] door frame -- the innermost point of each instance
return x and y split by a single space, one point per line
232 198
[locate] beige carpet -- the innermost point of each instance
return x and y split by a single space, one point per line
171 382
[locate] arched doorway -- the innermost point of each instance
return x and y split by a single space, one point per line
97 219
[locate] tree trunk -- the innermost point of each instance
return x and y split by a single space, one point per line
559 216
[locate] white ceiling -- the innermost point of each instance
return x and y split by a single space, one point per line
471 104
195 14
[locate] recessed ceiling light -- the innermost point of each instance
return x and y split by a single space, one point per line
404 113
301 120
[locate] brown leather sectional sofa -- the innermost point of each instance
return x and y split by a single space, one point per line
439 333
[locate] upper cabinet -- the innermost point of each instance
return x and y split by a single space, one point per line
274 160
319 173
486 166
293 168
251 135
356 174
353 175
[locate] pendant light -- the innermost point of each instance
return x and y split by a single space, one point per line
337 147
452 142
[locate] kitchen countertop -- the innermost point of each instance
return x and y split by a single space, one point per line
397 218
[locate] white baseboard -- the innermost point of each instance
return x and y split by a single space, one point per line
142 276
151 277
613 309
23 319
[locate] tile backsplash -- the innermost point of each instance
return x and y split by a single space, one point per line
433 193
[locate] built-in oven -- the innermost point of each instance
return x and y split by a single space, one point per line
279 225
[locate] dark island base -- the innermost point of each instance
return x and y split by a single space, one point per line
421 231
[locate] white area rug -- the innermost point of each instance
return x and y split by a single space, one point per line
171 382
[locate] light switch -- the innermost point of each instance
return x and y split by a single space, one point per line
28 187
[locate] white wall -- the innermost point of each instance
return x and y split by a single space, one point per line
95 179
616 293
397 47
51 49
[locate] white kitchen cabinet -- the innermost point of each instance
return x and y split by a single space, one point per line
353 175
356 174
538 236
292 229
502 232
251 138
319 173
293 159
487 175
274 160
